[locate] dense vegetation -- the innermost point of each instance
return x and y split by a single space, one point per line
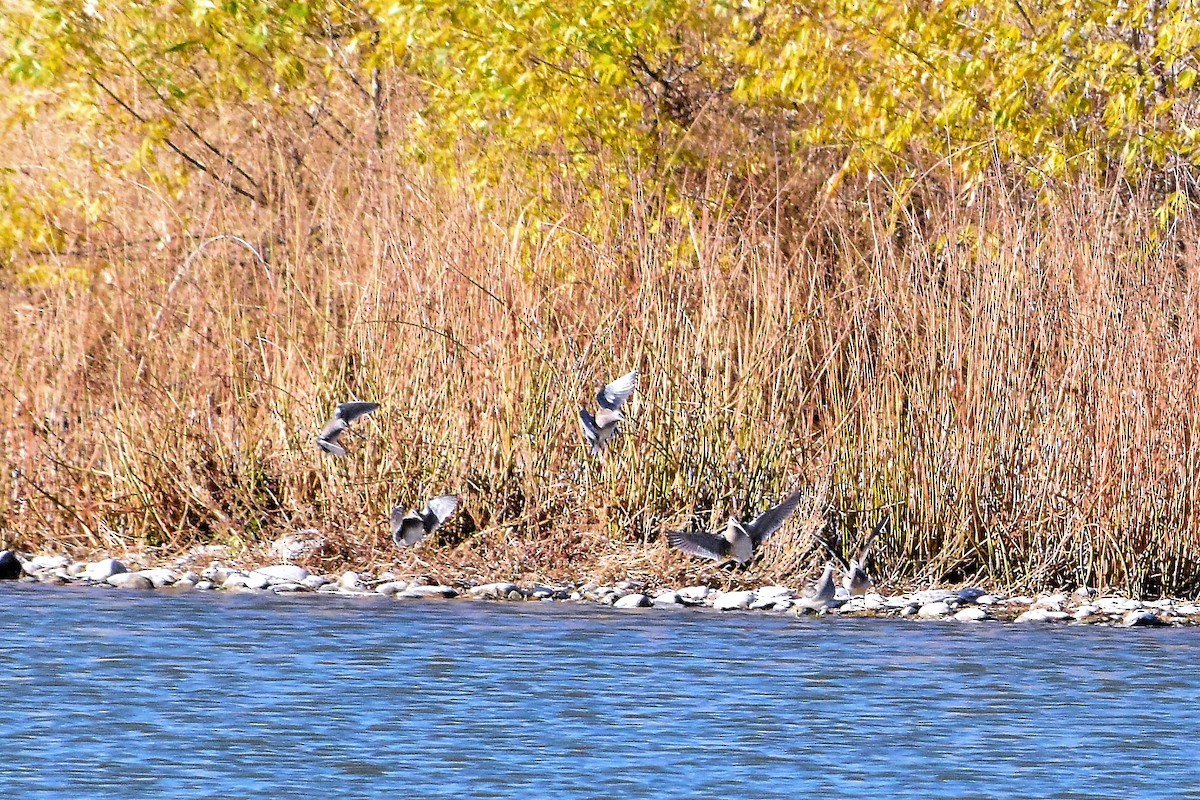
933 257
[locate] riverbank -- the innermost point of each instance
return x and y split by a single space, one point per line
970 604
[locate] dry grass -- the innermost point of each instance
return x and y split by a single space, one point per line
1016 381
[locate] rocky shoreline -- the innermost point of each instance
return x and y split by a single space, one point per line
1082 606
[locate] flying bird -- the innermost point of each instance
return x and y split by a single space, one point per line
820 594
410 527
856 580
602 427
738 541
343 415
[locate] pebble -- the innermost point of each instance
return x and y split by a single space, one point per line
1041 615
160 576
350 580
1020 600
933 596
634 600
101 571
516 594
986 600
1053 602
908 611
289 588
391 587
130 580
316 581
205 586
729 601
900 602
873 601
184 585
934 610
330 587
1085 611
972 614
694 593
10 566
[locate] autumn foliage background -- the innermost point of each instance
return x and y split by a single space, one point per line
934 259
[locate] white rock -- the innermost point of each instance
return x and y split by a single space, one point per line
130 580
970 594
986 600
972 614
1020 600
289 588
184 585
1053 602
316 581
784 604
427 591
933 596
632 601
728 601
1085 611
694 593
205 586
899 601
494 591
1042 615
873 602
934 610
1117 605
666 598
49 562
391 587
350 580
256 580
235 580
774 593
1188 609
282 573
101 571
160 576
1140 618
189 576
854 604
908 611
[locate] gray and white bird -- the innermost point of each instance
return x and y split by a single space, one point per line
410 527
602 427
821 593
343 416
857 581
738 541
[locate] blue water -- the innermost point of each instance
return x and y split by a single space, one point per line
125 694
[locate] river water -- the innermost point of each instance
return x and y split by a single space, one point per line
127 694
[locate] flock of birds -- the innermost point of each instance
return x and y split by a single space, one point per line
736 544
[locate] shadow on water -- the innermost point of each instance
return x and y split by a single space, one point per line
206 695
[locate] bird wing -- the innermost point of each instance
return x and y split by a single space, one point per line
704 545
882 526
617 392
590 430
824 589
769 521
353 410
333 429
331 447
407 528
438 510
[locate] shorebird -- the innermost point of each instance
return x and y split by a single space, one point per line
820 594
856 580
739 541
410 527
602 427
343 415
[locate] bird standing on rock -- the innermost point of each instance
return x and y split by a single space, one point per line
739 541
602 427
821 593
343 416
410 527
856 580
